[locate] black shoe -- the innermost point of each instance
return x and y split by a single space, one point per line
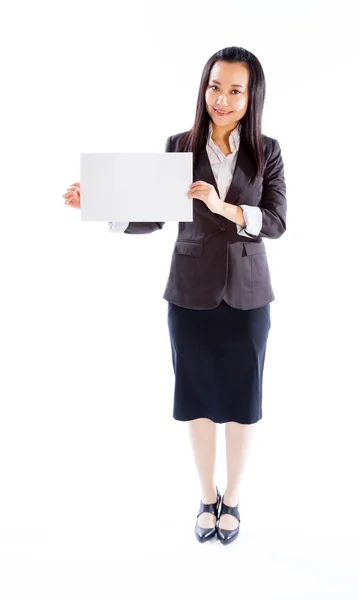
204 534
226 536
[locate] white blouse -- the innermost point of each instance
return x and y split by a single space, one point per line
223 169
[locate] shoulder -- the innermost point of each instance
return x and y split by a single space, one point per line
272 150
274 166
271 145
173 141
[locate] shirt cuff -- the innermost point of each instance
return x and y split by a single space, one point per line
253 220
115 227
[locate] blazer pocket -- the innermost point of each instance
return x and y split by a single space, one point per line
188 248
251 248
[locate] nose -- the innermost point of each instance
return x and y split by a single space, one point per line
219 100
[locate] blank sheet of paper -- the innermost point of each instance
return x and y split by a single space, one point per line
118 186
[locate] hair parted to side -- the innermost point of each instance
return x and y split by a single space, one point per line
195 140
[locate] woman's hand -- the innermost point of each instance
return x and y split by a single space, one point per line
73 196
207 193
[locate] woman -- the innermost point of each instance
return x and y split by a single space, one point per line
219 288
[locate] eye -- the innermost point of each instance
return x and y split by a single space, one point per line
237 91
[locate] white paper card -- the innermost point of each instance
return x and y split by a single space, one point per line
124 187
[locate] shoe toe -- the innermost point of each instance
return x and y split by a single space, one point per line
227 535
203 534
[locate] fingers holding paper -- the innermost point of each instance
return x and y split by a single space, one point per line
206 193
73 195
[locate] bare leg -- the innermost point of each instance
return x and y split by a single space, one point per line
239 439
202 434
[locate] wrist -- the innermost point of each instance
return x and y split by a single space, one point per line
221 210
231 212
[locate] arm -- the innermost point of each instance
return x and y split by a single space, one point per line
248 218
252 217
273 205
115 227
273 199
134 227
137 227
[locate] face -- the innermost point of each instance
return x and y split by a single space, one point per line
228 91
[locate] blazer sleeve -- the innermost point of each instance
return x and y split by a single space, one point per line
253 220
273 200
139 227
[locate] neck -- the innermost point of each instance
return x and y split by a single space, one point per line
222 134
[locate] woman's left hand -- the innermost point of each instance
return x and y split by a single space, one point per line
207 193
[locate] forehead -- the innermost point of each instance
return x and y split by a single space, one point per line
230 73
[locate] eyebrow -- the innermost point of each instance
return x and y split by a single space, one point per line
234 84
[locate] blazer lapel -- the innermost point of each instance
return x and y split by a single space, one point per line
203 170
244 172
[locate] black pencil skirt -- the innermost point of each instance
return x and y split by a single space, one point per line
218 359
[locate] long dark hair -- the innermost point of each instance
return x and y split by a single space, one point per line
195 140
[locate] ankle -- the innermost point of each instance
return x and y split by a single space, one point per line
232 497
209 495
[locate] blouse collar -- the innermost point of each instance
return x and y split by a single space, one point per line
234 138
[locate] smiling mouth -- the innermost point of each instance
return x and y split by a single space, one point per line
223 112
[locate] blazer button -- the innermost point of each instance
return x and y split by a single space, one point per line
222 227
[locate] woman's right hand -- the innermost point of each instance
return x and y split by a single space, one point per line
73 196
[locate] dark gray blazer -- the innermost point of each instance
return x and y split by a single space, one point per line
210 260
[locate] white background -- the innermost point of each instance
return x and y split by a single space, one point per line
99 493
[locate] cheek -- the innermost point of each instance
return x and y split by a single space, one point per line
239 104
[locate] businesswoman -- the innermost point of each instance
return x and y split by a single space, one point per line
219 289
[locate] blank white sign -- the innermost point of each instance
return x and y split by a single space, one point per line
118 186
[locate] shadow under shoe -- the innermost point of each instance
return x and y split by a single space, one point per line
203 534
226 536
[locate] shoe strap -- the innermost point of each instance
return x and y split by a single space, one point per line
230 510
210 508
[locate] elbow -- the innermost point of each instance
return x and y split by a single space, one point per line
275 231
280 230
